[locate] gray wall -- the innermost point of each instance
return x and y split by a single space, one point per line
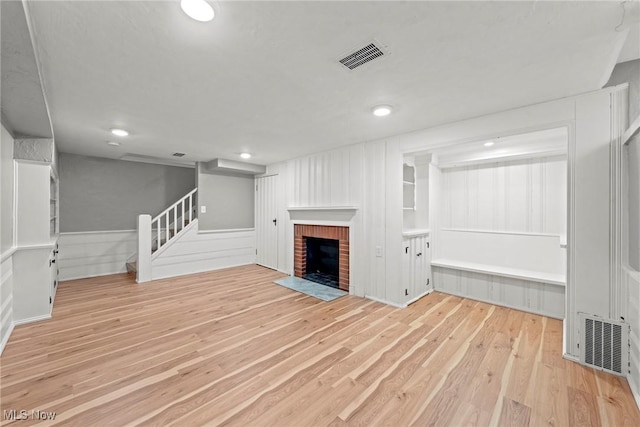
99 194
228 198
628 72
6 190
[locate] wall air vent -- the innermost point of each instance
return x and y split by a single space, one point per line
178 154
362 56
604 344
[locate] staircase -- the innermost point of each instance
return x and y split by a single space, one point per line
162 230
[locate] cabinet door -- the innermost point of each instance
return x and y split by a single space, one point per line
427 263
407 271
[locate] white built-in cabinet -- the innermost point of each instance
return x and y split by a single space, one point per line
35 264
416 266
416 247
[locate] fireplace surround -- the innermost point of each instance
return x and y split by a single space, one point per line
302 232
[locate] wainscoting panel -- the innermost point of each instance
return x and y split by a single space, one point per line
196 252
95 253
534 297
6 301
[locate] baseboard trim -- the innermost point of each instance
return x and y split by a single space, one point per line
411 301
121 271
571 357
634 390
32 319
5 339
383 301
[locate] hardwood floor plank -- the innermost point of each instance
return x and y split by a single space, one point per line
582 409
514 414
230 347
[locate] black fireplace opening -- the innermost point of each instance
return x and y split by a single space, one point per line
322 261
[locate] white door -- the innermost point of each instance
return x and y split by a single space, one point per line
267 221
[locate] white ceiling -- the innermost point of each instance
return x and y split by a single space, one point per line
22 103
263 76
543 143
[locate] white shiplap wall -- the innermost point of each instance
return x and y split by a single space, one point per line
528 196
535 297
521 196
194 252
631 281
330 179
94 253
6 300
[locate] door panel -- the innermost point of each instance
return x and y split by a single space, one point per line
267 221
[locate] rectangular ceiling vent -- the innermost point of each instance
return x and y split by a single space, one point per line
605 344
178 154
362 56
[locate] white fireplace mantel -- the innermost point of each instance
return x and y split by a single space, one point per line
325 214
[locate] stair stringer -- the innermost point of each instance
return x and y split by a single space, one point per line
175 238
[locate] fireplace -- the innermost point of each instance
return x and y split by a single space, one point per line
321 254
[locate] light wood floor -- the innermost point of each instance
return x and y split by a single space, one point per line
232 348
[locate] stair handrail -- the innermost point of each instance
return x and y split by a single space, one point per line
174 205
166 214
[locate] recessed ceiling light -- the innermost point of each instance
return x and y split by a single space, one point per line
245 155
489 143
113 143
199 10
119 132
382 110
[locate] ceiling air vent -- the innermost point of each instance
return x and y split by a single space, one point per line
362 56
178 154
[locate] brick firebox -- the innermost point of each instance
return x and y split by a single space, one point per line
301 232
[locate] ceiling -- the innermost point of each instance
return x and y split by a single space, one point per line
531 145
264 76
22 100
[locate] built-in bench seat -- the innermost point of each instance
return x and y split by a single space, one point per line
528 256
495 270
525 271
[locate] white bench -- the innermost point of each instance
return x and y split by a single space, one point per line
527 256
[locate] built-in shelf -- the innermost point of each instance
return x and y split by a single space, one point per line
409 187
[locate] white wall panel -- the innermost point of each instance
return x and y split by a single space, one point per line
631 281
534 297
96 253
521 196
374 219
334 178
6 301
195 252
326 179
591 239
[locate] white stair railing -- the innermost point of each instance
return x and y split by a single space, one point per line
154 233
172 220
